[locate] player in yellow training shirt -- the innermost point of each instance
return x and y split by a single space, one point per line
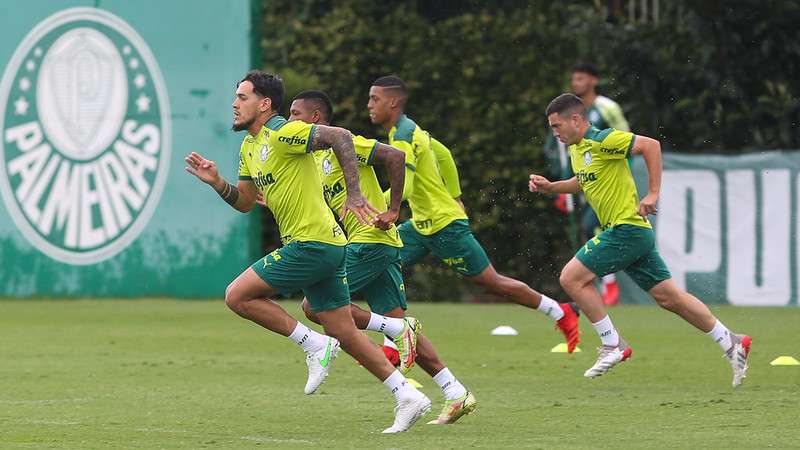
627 241
438 222
373 255
275 160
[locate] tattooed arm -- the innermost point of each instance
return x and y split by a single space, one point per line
341 141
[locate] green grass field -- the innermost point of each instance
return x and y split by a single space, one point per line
180 374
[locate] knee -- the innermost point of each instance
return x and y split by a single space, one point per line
234 300
307 311
664 300
493 283
566 280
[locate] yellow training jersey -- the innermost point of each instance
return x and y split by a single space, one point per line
600 163
432 206
278 162
336 191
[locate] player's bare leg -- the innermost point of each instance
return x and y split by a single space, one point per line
565 316
458 400
577 281
249 296
403 331
411 403
670 297
736 346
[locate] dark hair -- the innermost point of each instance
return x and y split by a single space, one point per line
266 85
566 104
321 100
589 68
392 82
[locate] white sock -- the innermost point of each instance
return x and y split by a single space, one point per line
397 385
721 335
451 387
307 338
610 278
388 342
550 308
390 326
608 334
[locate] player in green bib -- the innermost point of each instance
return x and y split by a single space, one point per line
373 253
439 224
627 241
275 161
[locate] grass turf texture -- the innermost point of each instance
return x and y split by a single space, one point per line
180 374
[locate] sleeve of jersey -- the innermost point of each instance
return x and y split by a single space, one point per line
244 171
294 138
616 145
365 150
615 118
447 168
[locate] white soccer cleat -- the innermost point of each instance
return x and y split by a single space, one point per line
408 411
737 356
608 357
319 364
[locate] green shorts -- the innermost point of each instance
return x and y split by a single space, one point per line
374 271
454 245
315 268
629 248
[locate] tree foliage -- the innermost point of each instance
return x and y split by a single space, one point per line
712 76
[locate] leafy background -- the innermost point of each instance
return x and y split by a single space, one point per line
709 76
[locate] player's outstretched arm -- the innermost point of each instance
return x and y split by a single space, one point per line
341 141
538 183
650 149
395 162
241 197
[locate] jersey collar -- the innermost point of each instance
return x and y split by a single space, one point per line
275 122
591 132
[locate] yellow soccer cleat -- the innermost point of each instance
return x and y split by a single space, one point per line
455 409
406 343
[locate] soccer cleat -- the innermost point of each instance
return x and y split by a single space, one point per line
569 325
408 411
456 409
406 343
392 355
737 356
611 295
608 357
319 364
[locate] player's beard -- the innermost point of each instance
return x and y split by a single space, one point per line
243 126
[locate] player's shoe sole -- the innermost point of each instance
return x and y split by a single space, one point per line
608 358
407 344
737 355
408 412
456 409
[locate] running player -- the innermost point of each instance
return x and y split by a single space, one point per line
439 224
373 254
275 159
627 241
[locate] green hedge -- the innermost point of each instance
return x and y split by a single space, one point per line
481 76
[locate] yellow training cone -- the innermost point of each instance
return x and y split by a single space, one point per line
562 348
785 361
414 383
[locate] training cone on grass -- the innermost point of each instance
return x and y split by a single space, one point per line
562 348
784 361
504 330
